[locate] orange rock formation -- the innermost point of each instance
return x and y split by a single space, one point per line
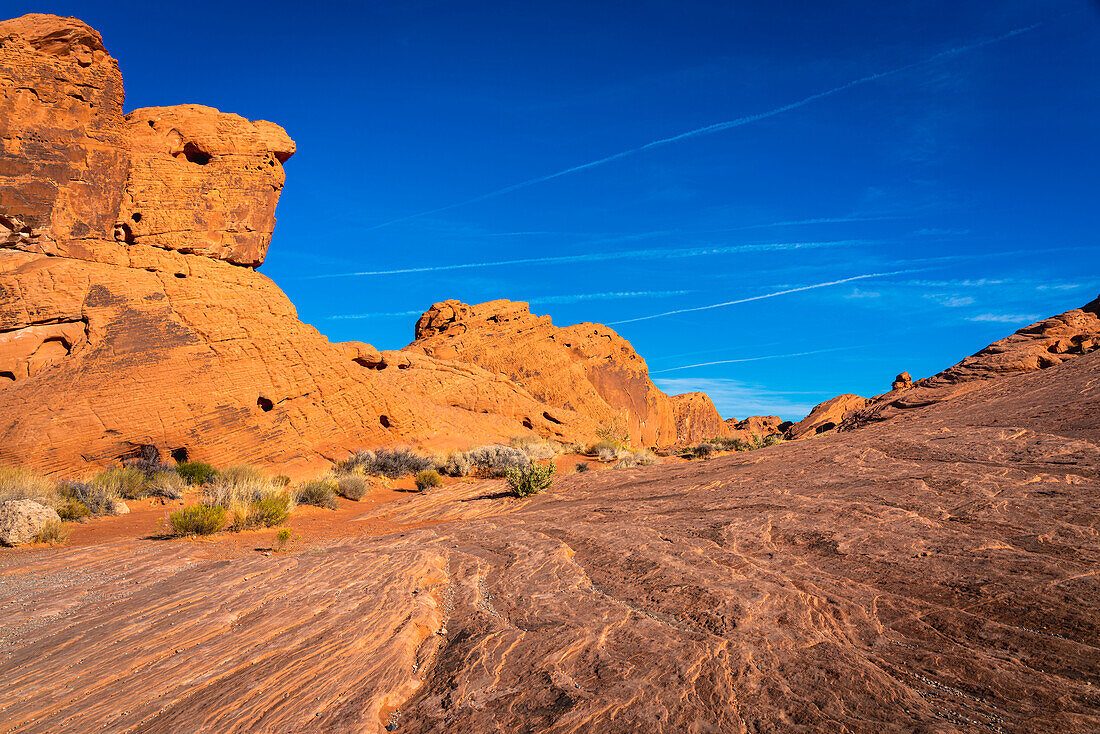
127 319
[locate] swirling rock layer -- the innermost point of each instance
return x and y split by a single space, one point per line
937 572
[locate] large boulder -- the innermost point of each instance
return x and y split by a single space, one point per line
826 416
22 520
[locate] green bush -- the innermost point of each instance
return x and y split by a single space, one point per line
126 482
72 509
270 510
428 479
197 520
319 493
352 486
282 538
530 479
196 473
583 467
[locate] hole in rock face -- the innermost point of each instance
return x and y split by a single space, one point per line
825 427
180 454
150 123
264 403
195 154
384 420
7 377
181 275
551 418
136 216
527 423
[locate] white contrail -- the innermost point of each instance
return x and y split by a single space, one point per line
652 254
758 298
749 359
716 127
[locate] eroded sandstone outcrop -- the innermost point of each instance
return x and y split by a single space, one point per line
1039 346
696 418
587 368
826 416
126 319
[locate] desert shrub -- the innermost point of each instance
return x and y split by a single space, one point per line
572 448
270 510
282 538
773 439
126 482
352 486
319 493
167 485
495 460
703 451
428 479
726 443
72 510
97 499
196 473
53 532
644 457
608 454
280 480
148 462
454 464
391 463
20 484
582 467
242 474
536 449
250 500
530 479
356 462
615 433
603 446
198 520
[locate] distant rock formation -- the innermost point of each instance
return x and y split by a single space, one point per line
587 368
1041 345
826 416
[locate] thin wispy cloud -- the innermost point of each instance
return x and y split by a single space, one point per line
1007 318
542 300
649 254
862 294
749 359
611 295
774 294
716 127
949 300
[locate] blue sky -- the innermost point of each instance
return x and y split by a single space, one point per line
934 163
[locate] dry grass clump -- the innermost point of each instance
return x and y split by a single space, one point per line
352 486
54 532
198 520
608 454
92 497
644 457
20 484
536 449
319 493
249 498
126 482
428 479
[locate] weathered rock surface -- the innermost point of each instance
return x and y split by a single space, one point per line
126 321
696 418
826 416
1042 345
203 181
22 520
933 573
756 425
586 368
